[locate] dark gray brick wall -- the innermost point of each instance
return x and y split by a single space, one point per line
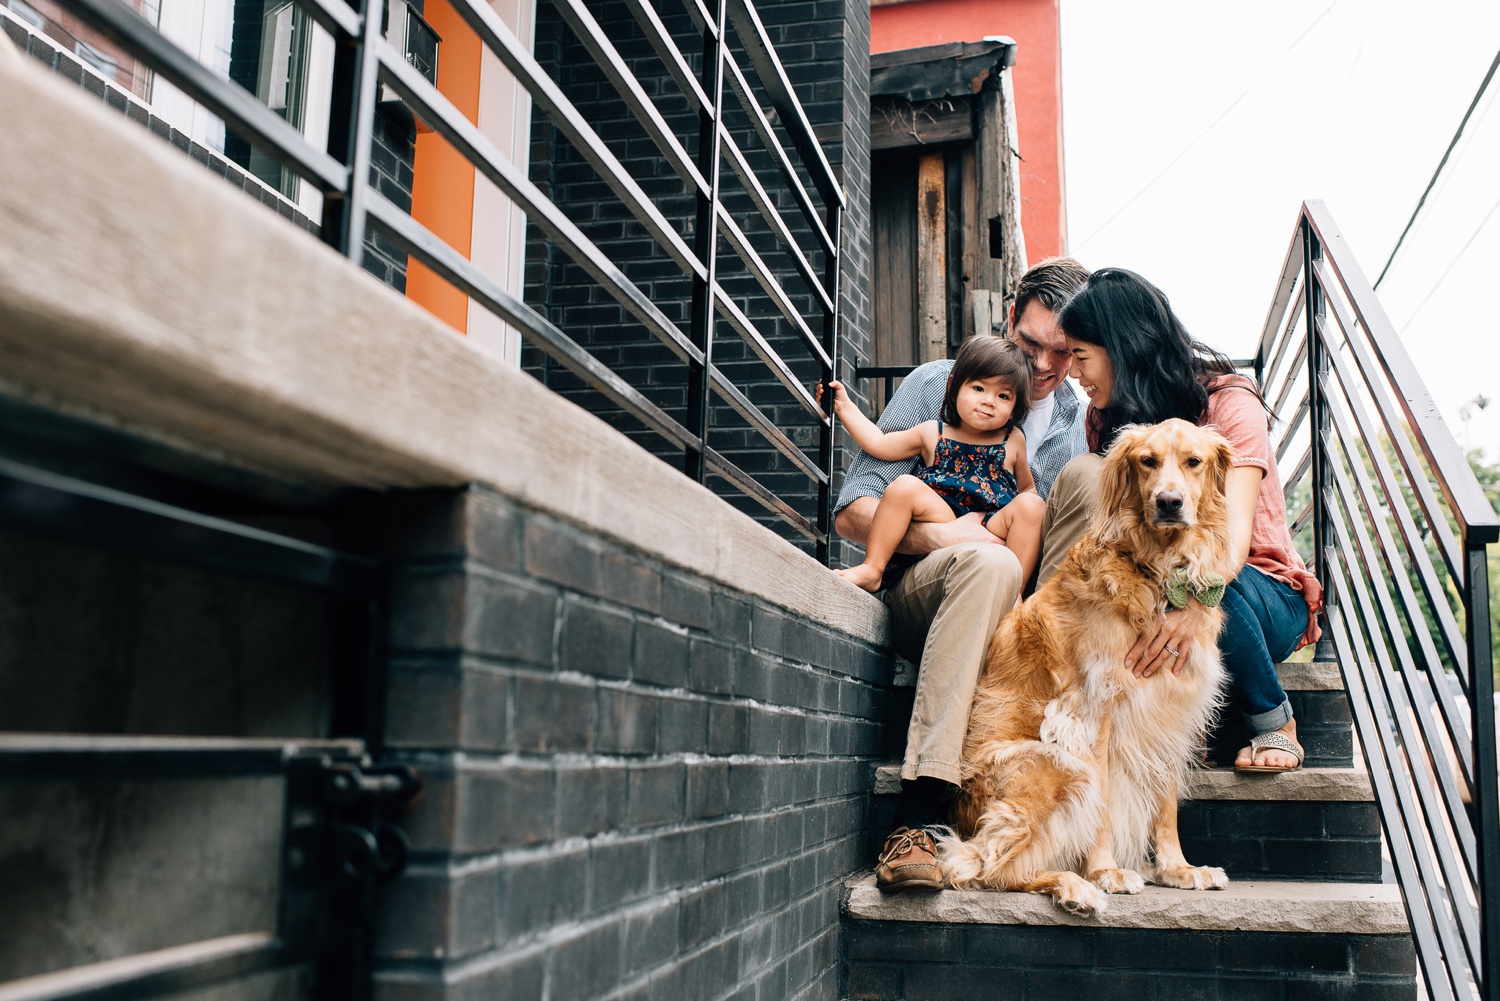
916 962
640 783
825 48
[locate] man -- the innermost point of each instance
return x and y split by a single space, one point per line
946 605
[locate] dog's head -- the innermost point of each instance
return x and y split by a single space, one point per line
1163 479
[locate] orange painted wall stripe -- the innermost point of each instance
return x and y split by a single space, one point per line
442 197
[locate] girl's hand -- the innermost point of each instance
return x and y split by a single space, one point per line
840 395
1153 651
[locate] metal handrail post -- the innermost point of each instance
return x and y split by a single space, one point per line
700 377
1486 791
349 235
828 429
1317 405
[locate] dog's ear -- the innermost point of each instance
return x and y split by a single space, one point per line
1117 487
1219 459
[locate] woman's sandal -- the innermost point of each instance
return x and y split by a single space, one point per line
1273 740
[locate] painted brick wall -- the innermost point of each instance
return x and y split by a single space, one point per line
825 47
640 783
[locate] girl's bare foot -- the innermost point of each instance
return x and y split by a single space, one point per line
864 576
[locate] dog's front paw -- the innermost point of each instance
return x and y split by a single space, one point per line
1077 895
1119 880
1193 877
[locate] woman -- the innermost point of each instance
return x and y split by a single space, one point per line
1138 365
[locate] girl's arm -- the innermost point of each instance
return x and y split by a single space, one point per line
880 444
1024 480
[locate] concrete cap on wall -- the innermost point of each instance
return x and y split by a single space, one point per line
139 290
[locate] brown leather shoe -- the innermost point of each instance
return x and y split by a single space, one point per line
908 862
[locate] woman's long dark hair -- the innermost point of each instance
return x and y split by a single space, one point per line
1160 370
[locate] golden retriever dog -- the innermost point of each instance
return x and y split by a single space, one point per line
1072 764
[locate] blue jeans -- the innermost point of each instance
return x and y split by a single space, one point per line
1263 620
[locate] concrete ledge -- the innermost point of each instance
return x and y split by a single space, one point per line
1321 908
1327 785
1318 676
140 291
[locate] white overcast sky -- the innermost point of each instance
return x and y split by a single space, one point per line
1352 102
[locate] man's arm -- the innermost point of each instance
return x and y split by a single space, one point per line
853 523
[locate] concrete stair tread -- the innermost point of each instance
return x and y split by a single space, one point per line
1320 676
1346 785
1266 906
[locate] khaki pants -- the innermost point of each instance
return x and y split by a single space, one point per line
1070 508
945 608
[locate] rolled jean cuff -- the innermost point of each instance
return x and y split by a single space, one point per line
1274 720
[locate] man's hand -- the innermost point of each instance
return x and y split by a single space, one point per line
853 523
1167 645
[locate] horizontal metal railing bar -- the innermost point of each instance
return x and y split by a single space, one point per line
40 756
1291 267
728 471
1300 520
671 56
609 61
153 974
756 418
1476 518
1449 701
1294 372
762 54
773 217
472 144
703 18
1411 535
743 326
1284 343
229 101
740 244
1448 547
500 40
778 153
336 17
1289 434
1299 470
36 500
1421 690
460 272
1424 904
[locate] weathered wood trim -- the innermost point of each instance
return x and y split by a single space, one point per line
932 258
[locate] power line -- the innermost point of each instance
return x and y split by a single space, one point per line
1186 149
1441 164
1444 276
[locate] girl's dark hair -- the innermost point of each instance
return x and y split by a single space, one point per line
1160 370
985 356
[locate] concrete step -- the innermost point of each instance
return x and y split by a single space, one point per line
1314 823
1253 940
1339 785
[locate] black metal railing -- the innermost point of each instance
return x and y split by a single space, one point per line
736 50
1399 526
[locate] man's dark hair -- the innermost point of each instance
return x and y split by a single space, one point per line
1051 282
985 356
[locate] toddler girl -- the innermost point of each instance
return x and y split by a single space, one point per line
974 459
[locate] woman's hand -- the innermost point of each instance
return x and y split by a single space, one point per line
1167 645
840 395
